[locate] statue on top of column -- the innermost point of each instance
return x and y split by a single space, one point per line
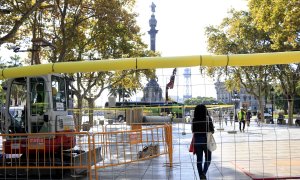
153 6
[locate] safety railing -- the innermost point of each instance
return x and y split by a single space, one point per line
129 146
45 154
57 155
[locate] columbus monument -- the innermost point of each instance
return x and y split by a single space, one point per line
152 91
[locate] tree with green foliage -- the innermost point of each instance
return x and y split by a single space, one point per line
14 16
263 29
237 35
201 100
281 20
102 30
88 30
14 61
128 85
16 93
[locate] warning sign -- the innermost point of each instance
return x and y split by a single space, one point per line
135 137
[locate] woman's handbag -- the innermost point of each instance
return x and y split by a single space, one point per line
192 146
211 143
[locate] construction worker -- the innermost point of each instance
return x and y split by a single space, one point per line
242 119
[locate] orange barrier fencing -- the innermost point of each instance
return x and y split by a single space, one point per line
129 146
49 154
45 154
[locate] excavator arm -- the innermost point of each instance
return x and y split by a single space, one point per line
170 84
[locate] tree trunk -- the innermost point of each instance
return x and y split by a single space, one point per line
79 114
290 110
260 103
16 100
285 111
91 110
261 108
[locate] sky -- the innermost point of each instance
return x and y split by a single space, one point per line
181 23
181 27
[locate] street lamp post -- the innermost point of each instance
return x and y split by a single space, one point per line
236 100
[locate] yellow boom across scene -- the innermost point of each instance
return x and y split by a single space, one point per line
154 63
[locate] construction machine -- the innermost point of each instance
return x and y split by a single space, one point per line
43 135
170 84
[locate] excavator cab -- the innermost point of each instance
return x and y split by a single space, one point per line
44 102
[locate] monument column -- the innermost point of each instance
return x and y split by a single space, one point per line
153 31
152 91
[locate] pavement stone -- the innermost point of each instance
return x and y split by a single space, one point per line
269 151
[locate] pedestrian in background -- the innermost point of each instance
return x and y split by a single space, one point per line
258 118
226 117
231 114
171 116
202 123
242 119
248 117
174 116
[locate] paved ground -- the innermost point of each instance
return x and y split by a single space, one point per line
266 152
261 152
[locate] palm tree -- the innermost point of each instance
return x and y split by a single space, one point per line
121 92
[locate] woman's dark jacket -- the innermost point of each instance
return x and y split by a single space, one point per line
202 126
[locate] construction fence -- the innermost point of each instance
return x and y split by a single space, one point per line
30 155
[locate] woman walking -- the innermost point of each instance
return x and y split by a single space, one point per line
202 123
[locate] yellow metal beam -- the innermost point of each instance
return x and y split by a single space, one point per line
153 63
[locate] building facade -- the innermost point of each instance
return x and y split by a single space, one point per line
245 99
